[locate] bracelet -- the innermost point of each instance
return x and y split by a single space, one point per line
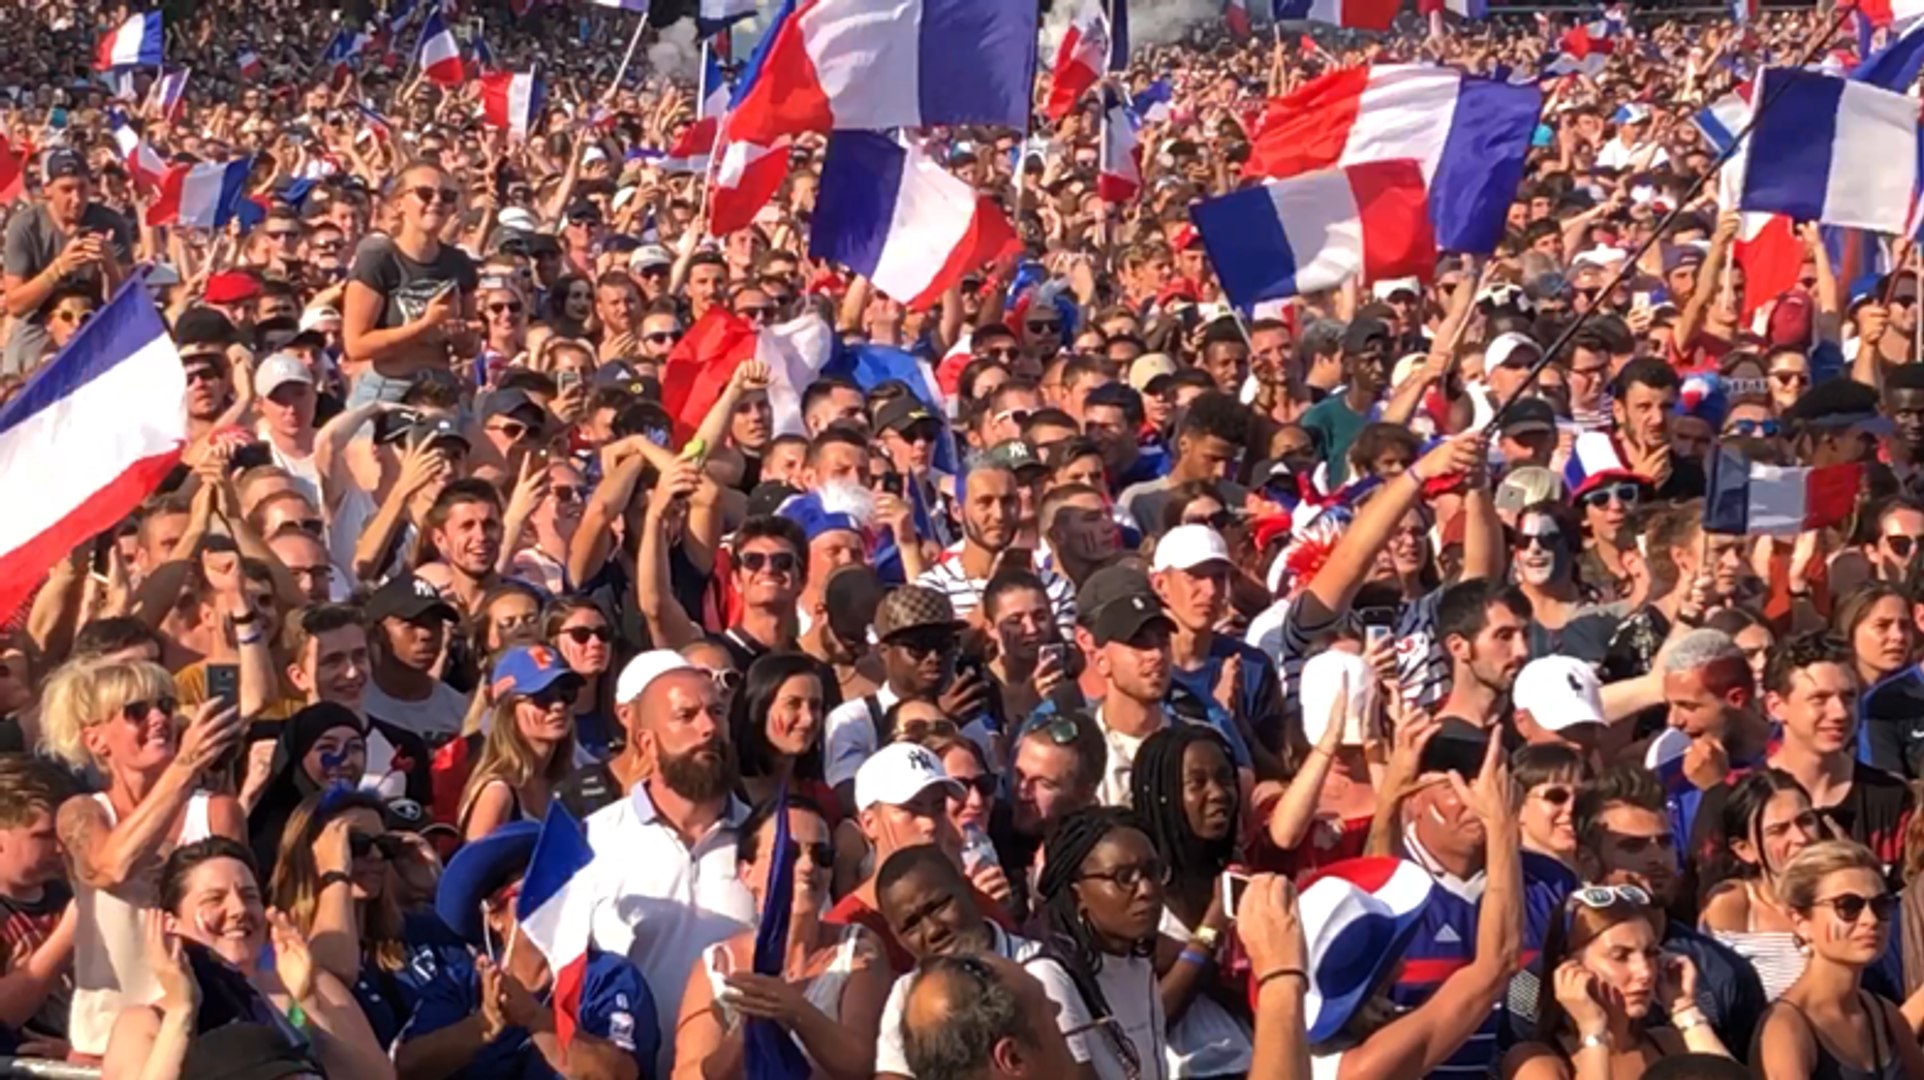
1282 973
335 877
297 1016
254 638
1593 1040
1415 474
1687 1019
1191 956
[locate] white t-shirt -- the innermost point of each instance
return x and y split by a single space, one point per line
441 714
890 1057
850 737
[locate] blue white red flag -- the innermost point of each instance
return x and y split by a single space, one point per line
438 53
138 42
556 910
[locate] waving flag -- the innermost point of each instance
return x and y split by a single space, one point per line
1317 230
1080 58
250 64
207 195
165 96
377 125
771 1054
399 14
1895 66
1467 9
342 50
13 174
696 143
714 16
1468 135
1585 48
1118 34
438 53
1355 14
91 435
143 164
556 909
1832 151
1898 13
720 341
1119 164
745 179
892 214
138 42
1236 17
483 56
1153 104
512 100
1744 498
877 64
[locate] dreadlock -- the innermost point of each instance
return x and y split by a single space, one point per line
1067 936
1155 788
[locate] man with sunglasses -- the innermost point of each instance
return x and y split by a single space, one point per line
918 637
512 423
203 337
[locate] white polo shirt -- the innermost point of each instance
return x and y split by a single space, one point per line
663 902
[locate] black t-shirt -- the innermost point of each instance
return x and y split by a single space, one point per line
1874 813
744 650
407 285
24 927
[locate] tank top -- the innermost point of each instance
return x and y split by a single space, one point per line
1775 954
824 990
110 958
1885 1062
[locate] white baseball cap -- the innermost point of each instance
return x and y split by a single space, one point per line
516 217
643 670
897 773
277 371
316 318
1324 677
1383 290
1186 547
1559 692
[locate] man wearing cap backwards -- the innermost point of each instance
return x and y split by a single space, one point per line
1559 702
991 516
1191 574
665 850
489 1015
63 239
410 625
902 795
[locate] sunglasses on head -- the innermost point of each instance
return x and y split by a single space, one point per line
137 711
1850 906
727 680
1625 494
582 635
1600 897
448 196
780 562
917 730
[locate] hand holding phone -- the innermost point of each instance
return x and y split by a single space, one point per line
1232 886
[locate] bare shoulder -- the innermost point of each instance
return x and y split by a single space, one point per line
80 822
867 949
1726 908
1534 1061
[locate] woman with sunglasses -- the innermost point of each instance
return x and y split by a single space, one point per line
1767 820
1183 788
409 302
543 555
1787 373
531 746
578 628
121 719
1101 907
834 979
1827 1026
1545 777
1608 969
1606 501
504 312
340 879
1545 546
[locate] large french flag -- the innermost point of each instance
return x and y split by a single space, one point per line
720 341
878 64
696 143
1746 498
438 53
893 215
138 42
556 910
1080 58
1119 163
91 435
1468 135
13 174
1355 14
714 16
1318 230
511 100
1897 13
1832 151
207 194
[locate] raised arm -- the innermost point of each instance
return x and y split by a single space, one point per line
669 626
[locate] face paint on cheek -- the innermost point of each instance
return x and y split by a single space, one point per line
200 923
332 761
1436 815
1836 930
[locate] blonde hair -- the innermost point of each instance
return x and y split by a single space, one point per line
85 693
506 756
1808 868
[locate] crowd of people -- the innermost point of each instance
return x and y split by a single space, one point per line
1153 690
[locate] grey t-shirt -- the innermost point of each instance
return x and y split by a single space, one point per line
408 285
34 240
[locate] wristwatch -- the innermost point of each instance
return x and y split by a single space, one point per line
1206 938
1595 1038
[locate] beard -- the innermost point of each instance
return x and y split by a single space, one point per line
696 779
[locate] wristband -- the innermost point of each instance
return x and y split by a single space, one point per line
1688 1018
1594 1040
254 638
1282 973
1191 956
335 877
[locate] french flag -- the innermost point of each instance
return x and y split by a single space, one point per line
1317 230
714 16
1746 498
1584 48
438 53
511 100
250 64
556 910
719 342
1898 13
626 5
877 64
93 433
696 143
165 96
892 214
143 163
1355 14
13 174
138 42
1767 246
1466 9
342 50
483 56
1119 164
1236 17
745 179
1832 151
207 195
1080 58
1155 103
1468 135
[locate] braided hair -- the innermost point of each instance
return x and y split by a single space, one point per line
1155 789
1067 936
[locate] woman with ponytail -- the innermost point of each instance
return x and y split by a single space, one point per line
1766 819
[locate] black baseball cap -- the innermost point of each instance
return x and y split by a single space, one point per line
409 599
63 163
901 414
1366 335
1125 617
1529 415
1111 583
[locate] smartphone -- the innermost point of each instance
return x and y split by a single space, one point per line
1372 635
1233 886
223 682
567 379
1050 654
892 483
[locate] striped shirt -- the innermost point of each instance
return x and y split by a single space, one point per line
965 592
1422 667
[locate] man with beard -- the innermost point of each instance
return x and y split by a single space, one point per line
1715 733
931 911
464 528
1624 838
1128 639
665 853
1644 406
1484 626
410 622
991 509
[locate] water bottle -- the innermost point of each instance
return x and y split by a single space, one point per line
977 851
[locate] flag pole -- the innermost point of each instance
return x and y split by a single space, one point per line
628 58
1631 260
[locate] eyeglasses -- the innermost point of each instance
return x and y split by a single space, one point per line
821 853
1625 494
284 235
511 309
918 433
448 196
137 711
1220 520
330 247
1850 906
1601 897
1901 546
1547 541
1130 878
1790 378
582 635
1045 327
662 337
78 318
776 562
